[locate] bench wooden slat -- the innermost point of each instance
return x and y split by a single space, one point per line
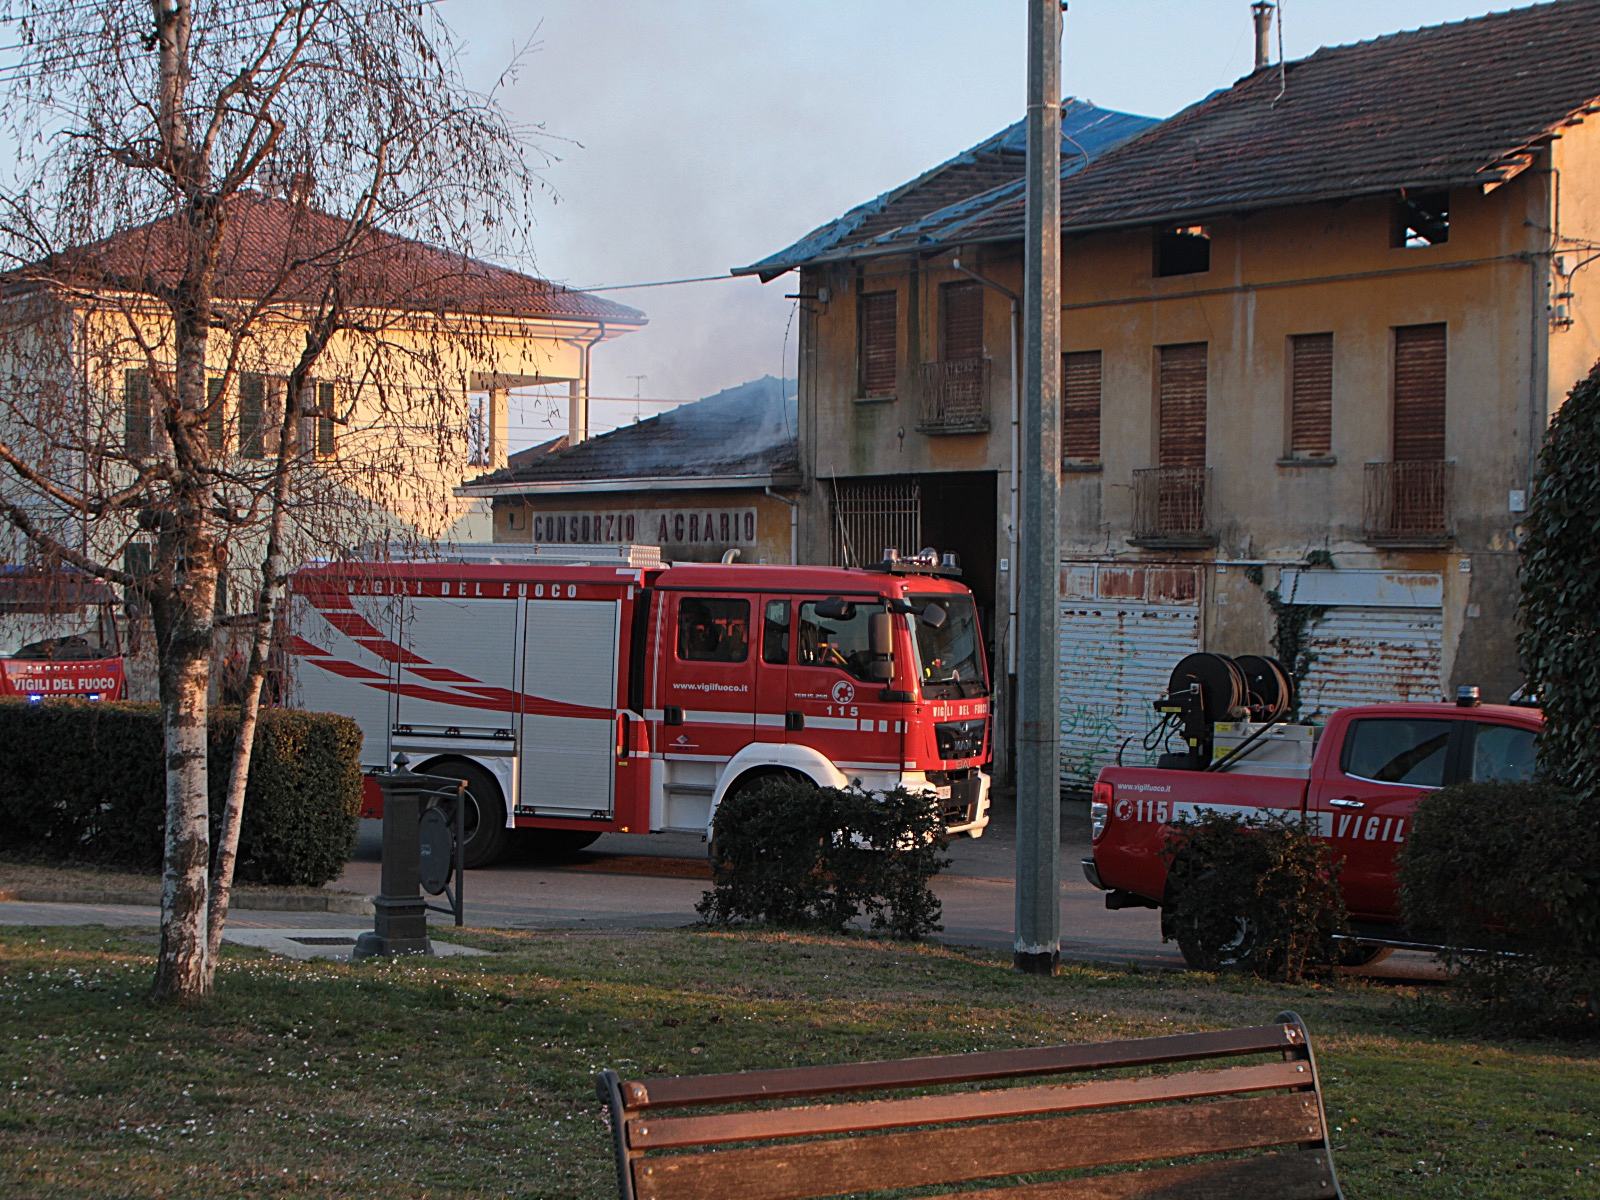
799 1171
665 1132
1270 1176
785 1082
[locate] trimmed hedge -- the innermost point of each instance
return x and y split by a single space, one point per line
84 782
1257 893
786 852
1510 874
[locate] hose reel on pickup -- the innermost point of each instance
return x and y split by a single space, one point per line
1206 688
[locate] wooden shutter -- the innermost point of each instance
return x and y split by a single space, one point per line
1182 421
1311 395
961 321
878 318
216 425
1080 406
325 421
1419 393
136 412
252 414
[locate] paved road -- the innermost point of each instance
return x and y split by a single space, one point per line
630 880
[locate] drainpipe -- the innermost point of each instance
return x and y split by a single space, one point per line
1016 405
794 524
578 392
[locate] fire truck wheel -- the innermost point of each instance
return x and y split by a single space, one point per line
484 822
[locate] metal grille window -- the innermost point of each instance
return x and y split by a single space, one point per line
252 414
877 315
1182 418
1080 407
1311 395
136 421
870 516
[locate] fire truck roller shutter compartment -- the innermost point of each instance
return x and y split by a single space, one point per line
569 659
345 675
478 639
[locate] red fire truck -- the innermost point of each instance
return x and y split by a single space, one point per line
611 692
64 666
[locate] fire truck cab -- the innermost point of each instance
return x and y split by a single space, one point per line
595 692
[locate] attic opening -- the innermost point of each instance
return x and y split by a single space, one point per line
1183 250
1422 219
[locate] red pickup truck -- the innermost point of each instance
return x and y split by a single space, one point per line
1368 768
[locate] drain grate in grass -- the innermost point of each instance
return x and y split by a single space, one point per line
324 941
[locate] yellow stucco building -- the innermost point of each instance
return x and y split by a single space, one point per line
1313 328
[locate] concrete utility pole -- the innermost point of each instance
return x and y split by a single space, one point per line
1038 942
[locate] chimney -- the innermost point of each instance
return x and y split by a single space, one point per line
1261 11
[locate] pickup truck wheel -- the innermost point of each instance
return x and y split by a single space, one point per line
484 819
1216 946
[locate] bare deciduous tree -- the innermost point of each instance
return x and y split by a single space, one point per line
239 325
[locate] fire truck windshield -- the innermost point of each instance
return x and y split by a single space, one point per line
948 658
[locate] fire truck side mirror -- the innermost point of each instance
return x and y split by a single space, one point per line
880 637
835 608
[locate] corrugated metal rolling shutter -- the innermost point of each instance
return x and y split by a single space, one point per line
1371 656
878 313
1116 657
1080 406
1419 369
1311 395
961 321
1183 406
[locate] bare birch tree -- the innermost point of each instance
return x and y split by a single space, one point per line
228 221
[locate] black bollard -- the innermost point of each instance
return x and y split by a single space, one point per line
400 916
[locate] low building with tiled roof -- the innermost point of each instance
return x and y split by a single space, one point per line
1318 319
699 480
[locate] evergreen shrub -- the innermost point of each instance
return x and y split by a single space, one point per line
786 852
84 782
1508 876
1256 893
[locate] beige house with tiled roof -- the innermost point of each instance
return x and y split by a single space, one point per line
1313 329
424 328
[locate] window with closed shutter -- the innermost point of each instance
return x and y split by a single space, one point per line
1181 438
1311 395
252 414
1419 393
324 415
877 317
216 418
1080 406
136 421
960 321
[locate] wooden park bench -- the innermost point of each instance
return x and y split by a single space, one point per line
1194 1127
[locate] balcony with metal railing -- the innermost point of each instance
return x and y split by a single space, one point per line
1406 505
1171 508
954 396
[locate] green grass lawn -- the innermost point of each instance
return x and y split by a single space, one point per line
471 1077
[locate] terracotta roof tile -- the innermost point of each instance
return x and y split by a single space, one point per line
1461 104
286 251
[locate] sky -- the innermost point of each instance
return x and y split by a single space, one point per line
689 137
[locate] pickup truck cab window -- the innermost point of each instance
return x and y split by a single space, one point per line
1501 752
1403 750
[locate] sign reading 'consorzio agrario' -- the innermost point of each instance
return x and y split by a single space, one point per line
683 530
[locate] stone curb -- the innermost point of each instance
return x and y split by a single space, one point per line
334 902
